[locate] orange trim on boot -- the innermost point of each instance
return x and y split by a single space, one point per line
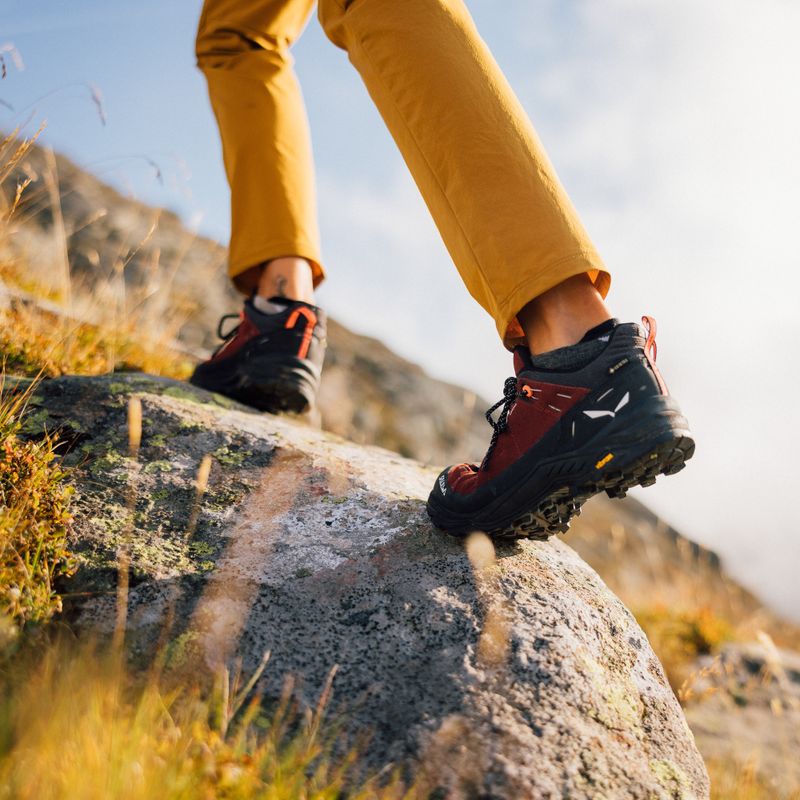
311 321
651 352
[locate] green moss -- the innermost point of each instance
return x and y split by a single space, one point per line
215 504
198 548
183 649
108 466
625 711
188 426
223 401
149 558
158 466
185 393
111 525
34 422
229 457
108 460
621 709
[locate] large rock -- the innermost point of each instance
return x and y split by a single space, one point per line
520 677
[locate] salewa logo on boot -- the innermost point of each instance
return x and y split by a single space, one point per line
443 484
606 412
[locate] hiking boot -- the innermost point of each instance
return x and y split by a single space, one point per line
272 359
574 422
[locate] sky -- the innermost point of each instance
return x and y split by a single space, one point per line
675 127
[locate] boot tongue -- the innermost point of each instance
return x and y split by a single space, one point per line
522 359
275 305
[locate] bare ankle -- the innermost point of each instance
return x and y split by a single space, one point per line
289 277
562 315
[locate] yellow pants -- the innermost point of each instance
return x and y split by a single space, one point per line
494 196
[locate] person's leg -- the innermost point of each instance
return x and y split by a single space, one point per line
287 276
587 410
493 194
561 316
273 357
243 50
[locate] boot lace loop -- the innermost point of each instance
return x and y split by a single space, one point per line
508 399
226 337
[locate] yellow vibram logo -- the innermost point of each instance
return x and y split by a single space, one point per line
604 460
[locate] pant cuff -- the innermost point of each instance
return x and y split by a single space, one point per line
506 316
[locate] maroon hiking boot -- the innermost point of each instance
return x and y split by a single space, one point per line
270 361
605 423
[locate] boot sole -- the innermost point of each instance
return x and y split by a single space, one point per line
554 514
277 384
274 397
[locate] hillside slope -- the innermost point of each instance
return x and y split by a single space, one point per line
131 262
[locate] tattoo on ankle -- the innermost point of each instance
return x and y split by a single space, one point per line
280 286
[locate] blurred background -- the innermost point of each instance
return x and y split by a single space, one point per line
675 129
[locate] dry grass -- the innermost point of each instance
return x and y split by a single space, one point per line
680 635
50 326
34 518
35 341
742 782
13 150
76 725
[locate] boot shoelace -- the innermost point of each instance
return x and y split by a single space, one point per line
510 394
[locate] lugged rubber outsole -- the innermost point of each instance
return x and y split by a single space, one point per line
274 397
265 384
554 513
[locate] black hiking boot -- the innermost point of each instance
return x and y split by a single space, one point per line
606 424
270 361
